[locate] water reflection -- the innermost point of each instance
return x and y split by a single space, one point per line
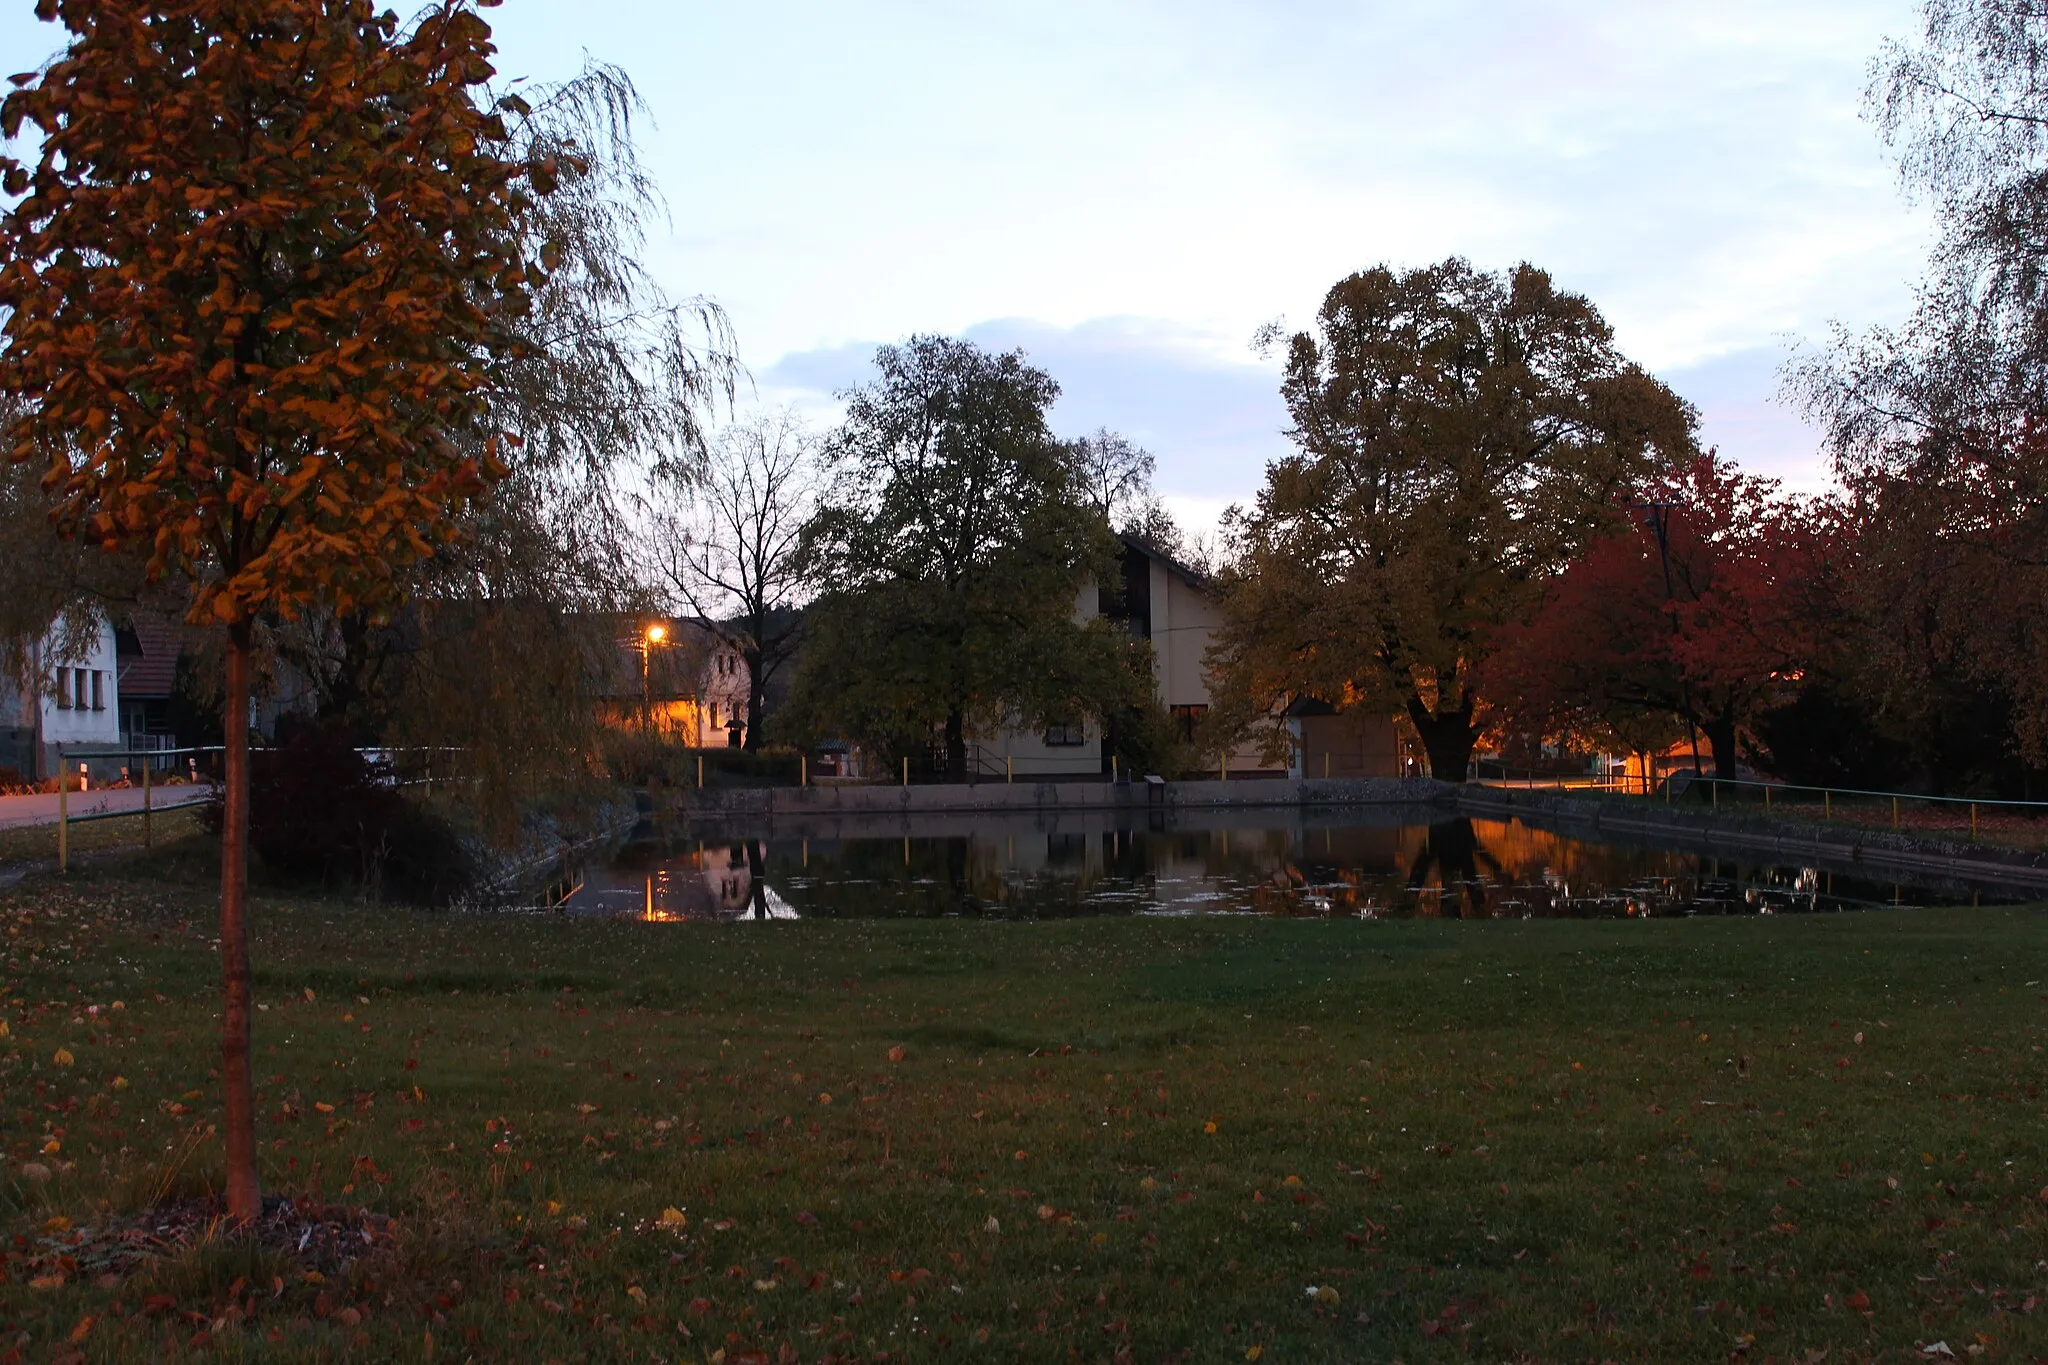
1442 868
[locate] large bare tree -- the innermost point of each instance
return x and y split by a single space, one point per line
729 544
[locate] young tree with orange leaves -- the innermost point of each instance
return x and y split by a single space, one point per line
253 277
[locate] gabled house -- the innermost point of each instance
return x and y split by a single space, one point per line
677 679
1176 607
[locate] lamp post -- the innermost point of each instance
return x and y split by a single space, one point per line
653 636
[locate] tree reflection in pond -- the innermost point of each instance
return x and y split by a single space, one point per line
1078 866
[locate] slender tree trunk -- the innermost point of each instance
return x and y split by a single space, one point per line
245 1195
1446 736
956 744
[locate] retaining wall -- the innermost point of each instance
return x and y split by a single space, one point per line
1032 797
1688 826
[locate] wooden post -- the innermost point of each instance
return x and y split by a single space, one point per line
147 842
1827 805
1715 788
700 772
1223 769
1767 797
63 814
1895 812
1009 768
803 770
906 782
1112 768
1326 765
1973 822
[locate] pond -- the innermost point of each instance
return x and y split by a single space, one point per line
1363 863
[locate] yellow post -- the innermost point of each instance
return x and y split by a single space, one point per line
63 815
1326 765
906 782
1009 768
1827 805
700 772
1973 822
803 770
146 841
1895 812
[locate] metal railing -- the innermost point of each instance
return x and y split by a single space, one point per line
1836 804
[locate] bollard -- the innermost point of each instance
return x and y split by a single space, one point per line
1973 822
1009 768
700 772
1767 799
1715 788
906 782
803 770
63 818
146 841
1326 765
1895 812
1827 805
1223 771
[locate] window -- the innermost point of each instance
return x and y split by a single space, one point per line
1186 718
1065 736
99 698
63 689
711 714
80 688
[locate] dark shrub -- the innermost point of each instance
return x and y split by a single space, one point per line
321 812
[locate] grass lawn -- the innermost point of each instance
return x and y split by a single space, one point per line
1206 1140
37 844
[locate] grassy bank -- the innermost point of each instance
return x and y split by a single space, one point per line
1100 1139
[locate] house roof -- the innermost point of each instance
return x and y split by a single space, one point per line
1153 551
146 651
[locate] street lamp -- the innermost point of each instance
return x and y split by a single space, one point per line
655 634
1660 522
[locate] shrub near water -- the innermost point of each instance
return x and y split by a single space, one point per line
321 813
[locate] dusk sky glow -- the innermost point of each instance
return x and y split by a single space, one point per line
1128 190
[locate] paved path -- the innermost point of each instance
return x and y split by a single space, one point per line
17 812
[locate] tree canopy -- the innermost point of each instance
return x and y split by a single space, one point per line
952 547
255 280
1459 436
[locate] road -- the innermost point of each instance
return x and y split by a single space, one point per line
19 812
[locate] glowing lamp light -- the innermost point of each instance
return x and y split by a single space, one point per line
656 634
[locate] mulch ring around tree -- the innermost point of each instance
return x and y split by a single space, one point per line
323 1240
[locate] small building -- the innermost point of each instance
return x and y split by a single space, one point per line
70 698
678 679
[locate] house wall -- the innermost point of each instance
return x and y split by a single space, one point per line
1354 744
1025 752
92 676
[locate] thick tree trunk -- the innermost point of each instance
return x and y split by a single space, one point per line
956 744
245 1195
1720 734
1447 737
757 698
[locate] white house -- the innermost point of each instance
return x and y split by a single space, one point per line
1173 606
71 700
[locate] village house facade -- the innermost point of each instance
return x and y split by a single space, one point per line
70 698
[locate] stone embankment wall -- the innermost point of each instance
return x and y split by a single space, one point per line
1034 797
1689 826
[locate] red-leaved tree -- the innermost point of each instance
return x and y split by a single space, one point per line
1702 612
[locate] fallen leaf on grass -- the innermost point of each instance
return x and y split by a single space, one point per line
673 1219
897 1054
62 1057
637 1294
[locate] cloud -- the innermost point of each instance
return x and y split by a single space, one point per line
1211 422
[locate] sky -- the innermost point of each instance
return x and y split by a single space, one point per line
1129 189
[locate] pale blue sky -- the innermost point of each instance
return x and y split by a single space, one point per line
1128 189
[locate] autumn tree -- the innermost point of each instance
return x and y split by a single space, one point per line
254 279
1459 437
1939 427
509 632
952 546
729 543
1701 609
